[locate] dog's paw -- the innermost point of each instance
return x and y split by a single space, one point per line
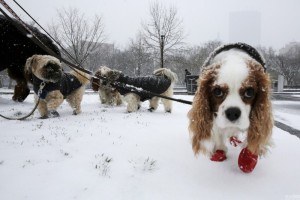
53 113
20 93
247 160
74 112
218 156
151 109
44 117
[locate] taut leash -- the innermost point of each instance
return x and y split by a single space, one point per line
23 28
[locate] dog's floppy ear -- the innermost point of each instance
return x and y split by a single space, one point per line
96 82
28 68
261 120
201 115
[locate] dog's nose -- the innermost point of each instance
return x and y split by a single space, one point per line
233 113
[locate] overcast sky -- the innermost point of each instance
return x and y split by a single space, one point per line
203 20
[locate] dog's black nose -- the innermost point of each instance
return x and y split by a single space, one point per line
233 113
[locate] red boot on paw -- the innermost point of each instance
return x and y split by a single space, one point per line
247 160
218 156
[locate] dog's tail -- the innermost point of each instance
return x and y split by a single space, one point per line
167 72
83 78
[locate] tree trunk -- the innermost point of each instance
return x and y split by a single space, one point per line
10 83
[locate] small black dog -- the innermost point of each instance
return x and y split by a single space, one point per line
16 47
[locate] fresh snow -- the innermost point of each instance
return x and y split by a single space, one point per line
106 153
287 116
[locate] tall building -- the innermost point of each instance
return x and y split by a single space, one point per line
291 48
245 26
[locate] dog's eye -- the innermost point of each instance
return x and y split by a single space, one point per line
249 93
218 92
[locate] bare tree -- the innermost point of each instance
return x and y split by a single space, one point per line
76 34
287 64
140 54
163 27
195 56
103 55
191 58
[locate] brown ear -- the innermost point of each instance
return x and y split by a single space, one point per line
28 68
261 118
201 114
96 82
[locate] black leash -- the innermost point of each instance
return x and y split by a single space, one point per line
24 117
69 55
38 42
147 93
42 85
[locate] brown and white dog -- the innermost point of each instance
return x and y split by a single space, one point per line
46 70
107 94
233 97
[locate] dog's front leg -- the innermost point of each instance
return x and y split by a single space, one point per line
54 99
153 103
220 148
133 102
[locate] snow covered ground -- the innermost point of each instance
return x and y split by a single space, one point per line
286 112
105 153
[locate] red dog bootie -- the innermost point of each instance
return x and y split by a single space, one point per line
218 156
247 160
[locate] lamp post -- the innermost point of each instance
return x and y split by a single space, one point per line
162 43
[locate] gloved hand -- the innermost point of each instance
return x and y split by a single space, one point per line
113 75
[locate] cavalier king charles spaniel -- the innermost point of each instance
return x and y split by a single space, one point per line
232 98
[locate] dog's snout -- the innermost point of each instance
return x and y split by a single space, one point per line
49 69
233 113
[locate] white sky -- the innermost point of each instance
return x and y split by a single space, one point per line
203 20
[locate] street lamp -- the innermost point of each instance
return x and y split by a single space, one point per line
162 43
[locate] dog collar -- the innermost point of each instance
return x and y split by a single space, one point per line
251 51
48 86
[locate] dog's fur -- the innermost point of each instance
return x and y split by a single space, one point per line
233 96
16 47
133 100
48 69
107 94
153 102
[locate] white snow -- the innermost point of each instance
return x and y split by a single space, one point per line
105 153
289 117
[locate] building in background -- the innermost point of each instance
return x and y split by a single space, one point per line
291 48
245 26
